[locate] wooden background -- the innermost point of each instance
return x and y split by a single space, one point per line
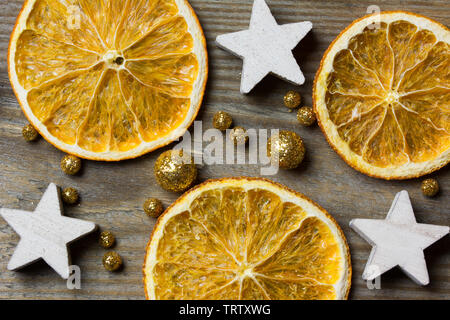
113 193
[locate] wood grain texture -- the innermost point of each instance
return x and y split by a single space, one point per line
113 193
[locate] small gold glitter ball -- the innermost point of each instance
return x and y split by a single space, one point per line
70 164
70 195
107 239
29 133
112 261
430 187
153 207
239 135
292 99
287 149
222 121
306 116
175 170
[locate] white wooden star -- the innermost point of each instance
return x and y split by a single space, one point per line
398 241
45 233
266 47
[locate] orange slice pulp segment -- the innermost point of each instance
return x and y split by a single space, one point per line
382 95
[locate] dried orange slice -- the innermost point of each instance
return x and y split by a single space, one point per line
382 95
246 238
108 79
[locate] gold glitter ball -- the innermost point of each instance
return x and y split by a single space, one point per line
29 133
70 164
292 99
222 121
306 116
430 187
175 170
112 261
107 239
70 195
239 136
153 207
287 149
